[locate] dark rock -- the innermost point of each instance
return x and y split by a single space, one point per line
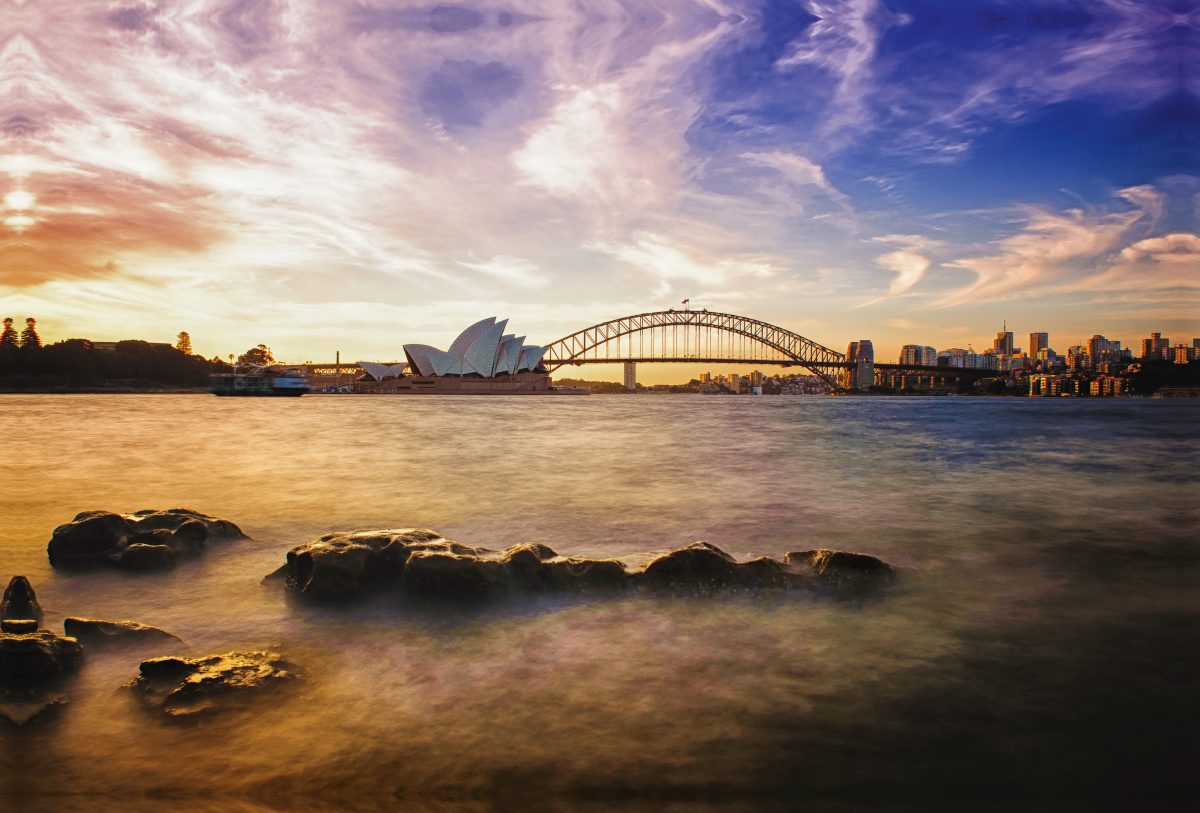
352 565
95 633
20 626
844 571
418 563
446 576
34 659
105 539
140 556
20 602
182 687
701 568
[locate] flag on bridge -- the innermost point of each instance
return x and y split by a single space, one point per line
684 303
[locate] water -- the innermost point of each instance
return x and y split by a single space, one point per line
1044 647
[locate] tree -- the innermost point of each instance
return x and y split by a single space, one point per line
183 342
9 338
257 355
29 336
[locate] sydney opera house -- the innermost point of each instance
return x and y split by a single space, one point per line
483 360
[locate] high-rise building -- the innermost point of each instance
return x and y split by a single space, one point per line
756 378
1156 347
1038 341
918 354
735 382
705 378
1182 354
630 375
1003 345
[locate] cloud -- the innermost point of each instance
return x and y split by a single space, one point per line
462 91
510 270
1078 250
658 257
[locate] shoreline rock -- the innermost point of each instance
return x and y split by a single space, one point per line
93 632
142 541
417 563
186 687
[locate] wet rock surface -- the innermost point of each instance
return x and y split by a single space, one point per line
33 664
142 541
188 687
94 633
20 602
844 571
417 563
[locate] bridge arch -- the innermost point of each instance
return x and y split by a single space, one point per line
691 339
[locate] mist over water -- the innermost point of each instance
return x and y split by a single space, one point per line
1044 644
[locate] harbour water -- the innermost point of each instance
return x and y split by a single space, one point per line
1043 644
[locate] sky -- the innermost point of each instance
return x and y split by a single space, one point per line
352 176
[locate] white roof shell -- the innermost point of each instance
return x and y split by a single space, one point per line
483 348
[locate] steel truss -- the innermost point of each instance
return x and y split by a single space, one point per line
698 337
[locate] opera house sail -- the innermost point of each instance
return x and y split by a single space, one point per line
483 360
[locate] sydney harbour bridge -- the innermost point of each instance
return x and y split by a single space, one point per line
707 337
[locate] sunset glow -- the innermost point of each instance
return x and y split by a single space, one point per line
353 176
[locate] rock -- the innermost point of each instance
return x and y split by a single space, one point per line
355 564
446 576
95 633
183 687
844 571
34 659
418 563
144 540
20 601
701 568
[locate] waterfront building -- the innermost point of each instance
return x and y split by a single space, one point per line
950 358
735 382
483 360
630 375
1182 354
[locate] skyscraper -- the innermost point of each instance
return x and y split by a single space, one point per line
1038 341
1156 347
1004 342
630 375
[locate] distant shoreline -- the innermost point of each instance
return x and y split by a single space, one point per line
102 391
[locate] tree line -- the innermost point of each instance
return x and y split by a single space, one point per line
77 363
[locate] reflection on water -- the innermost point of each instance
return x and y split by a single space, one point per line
1048 645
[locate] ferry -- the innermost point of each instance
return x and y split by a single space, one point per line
260 381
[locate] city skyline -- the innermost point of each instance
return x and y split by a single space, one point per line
355 177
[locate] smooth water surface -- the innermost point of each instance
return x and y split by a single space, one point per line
1043 645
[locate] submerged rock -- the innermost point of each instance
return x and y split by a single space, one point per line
144 540
20 602
701 568
96 633
844 571
418 563
182 687
358 563
32 658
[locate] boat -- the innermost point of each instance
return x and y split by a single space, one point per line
259 381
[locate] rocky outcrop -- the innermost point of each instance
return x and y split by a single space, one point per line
358 563
701 568
34 658
92 632
20 602
186 687
844 571
142 541
417 563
